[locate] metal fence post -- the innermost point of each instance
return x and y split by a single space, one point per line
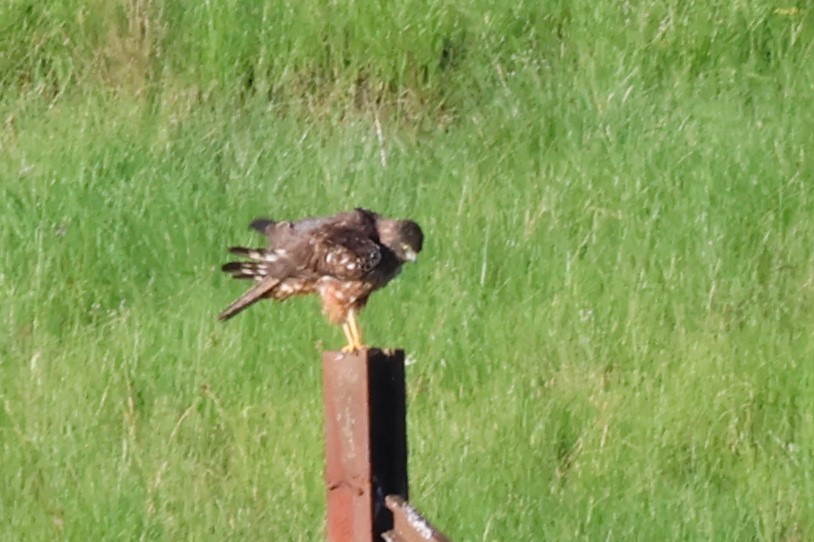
365 441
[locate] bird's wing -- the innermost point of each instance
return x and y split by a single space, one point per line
344 245
278 232
285 232
344 253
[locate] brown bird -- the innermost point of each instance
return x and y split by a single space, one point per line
344 258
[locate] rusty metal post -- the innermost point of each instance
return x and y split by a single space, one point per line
365 441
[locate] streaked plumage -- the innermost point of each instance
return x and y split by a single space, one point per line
344 258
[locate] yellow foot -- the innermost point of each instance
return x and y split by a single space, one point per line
353 348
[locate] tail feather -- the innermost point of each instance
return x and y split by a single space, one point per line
253 295
267 267
245 270
258 254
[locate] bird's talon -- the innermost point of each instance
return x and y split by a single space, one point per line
353 348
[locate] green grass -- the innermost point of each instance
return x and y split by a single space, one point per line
612 324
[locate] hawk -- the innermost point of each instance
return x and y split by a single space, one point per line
344 258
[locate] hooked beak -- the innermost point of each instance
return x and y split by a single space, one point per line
410 255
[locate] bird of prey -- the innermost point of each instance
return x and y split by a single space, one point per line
344 258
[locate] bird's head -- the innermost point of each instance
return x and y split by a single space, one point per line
403 237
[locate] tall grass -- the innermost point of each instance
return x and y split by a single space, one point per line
611 324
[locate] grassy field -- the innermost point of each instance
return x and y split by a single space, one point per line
611 326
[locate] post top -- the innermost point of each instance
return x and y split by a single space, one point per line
369 352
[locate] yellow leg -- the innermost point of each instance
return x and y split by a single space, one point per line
353 333
349 336
356 329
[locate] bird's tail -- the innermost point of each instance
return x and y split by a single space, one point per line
254 294
267 267
256 269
